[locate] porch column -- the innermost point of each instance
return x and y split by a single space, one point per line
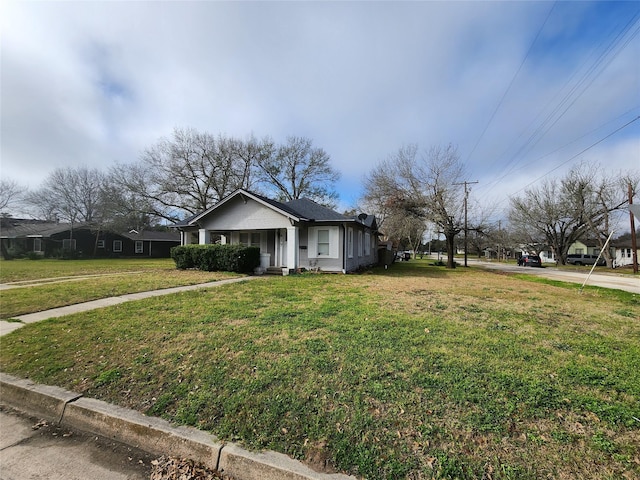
203 238
292 248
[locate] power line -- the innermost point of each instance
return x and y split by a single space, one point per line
593 71
570 159
512 82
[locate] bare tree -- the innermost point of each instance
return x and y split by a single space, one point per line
190 172
420 187
70 194
11 194
561 212
297 169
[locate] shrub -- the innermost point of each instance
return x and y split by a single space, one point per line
231 258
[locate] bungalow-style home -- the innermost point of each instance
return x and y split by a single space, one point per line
299 234
48 239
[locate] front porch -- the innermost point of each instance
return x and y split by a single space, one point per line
278 247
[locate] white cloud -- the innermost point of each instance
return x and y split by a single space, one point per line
96 82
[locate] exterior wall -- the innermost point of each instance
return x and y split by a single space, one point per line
584 249
327 264
238 215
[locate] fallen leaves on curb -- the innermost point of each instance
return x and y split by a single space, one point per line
167 468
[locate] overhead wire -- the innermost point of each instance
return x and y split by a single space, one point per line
575 92
504 95
570 159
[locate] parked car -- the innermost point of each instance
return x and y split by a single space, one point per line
530 261
580 259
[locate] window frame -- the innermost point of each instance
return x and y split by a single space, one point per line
139 243
117 249
334 236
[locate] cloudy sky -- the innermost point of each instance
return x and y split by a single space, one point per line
524 89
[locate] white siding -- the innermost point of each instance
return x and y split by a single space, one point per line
238 215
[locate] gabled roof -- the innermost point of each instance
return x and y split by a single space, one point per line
299 210
244 193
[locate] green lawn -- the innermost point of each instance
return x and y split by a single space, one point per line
415 372
47 284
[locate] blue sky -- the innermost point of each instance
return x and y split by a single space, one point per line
520 87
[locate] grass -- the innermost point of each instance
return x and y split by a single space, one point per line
414 372
47 284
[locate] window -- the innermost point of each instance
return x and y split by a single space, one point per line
580 251
100 243
69 244
367 244
139 246
323 242
37 244
350 242
628 253
360 243
250 239
117 245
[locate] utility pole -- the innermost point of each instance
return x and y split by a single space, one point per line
634 244
466 196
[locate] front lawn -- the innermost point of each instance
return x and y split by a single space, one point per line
46 284
413 372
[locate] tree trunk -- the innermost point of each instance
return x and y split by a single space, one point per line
451 261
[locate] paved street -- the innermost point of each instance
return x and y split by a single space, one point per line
34 450
607 279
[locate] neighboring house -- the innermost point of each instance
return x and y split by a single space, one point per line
51 239
584 247
622 253
291 236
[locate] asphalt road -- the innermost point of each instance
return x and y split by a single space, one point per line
609 279
33 450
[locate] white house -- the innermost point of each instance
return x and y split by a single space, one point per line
291 236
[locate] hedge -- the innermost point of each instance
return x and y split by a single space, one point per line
210 258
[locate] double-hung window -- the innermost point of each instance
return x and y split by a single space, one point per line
117 246
323 242
139 246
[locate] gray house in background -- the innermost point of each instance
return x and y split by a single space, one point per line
291 236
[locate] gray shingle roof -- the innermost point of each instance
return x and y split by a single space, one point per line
309 209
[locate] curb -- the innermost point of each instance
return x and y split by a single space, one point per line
151 434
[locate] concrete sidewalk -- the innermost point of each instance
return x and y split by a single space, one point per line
136 431
21 320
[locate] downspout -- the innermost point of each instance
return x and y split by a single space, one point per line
344 248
